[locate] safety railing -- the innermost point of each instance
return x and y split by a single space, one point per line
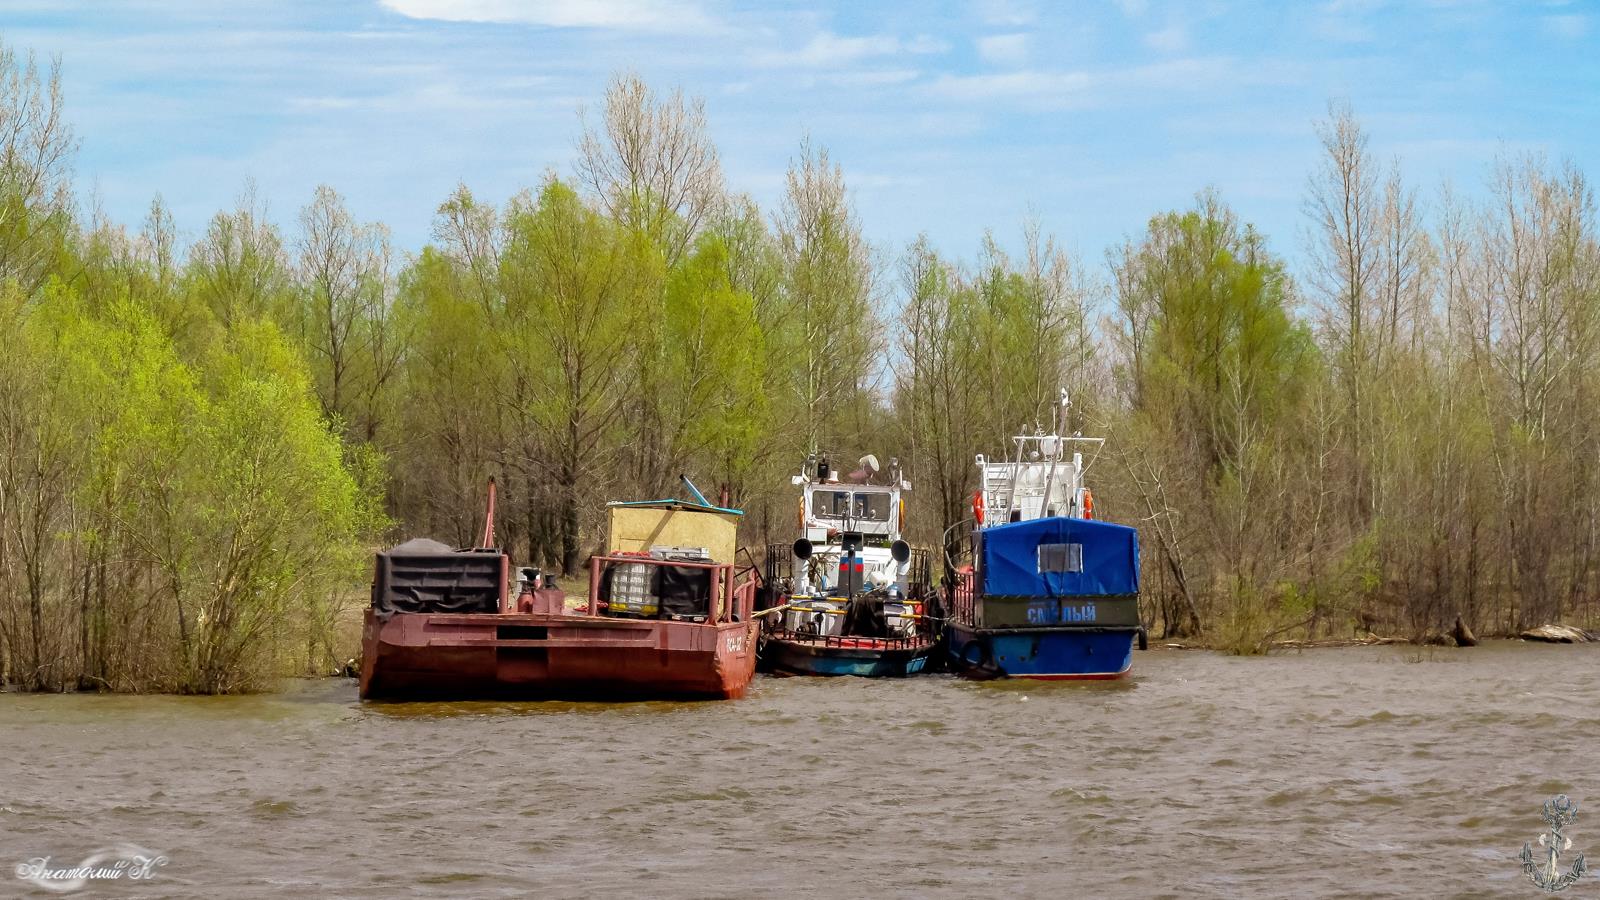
961 594
918 578
926 627
898 642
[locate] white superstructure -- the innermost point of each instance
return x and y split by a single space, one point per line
1041 477
857 515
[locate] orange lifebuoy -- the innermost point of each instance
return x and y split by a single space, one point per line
977 507
1088 504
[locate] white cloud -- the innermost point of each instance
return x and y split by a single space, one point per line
925 43
1031 85
641 15
828 49
1171 39
1347 21
1007 13
1004 49
1084 88
873 77
322 103
1571 27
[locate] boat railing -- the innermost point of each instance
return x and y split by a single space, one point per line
776 568
918 578
956 546
896 642
962 596
731 599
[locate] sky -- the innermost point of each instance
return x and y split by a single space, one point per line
948 118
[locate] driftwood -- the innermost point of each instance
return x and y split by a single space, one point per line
1369 641
1556 634
1463 635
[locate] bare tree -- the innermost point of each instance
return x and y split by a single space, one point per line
829 280
240 265
36 148
1346 248
652 163
345 280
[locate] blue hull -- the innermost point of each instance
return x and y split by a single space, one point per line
801 657
1064 654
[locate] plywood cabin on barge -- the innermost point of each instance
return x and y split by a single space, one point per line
674 622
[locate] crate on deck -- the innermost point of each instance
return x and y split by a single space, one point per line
651 590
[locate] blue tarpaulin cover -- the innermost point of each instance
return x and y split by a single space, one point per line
1010 560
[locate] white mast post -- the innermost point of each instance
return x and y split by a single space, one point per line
1055 454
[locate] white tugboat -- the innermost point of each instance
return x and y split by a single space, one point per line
853 592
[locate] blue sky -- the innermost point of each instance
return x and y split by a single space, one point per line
948 118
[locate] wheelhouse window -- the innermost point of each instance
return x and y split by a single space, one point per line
859 505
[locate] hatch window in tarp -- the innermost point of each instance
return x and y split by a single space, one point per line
1059 557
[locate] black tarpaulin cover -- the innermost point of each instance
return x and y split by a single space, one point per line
683 590
427 576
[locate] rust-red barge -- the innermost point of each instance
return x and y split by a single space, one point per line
659 622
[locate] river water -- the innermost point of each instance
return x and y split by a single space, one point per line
1371 771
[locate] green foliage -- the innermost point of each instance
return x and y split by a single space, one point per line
577 288
713 353
1220 352
200 445
212 484
830 329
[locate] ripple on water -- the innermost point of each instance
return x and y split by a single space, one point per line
274 809
1190 784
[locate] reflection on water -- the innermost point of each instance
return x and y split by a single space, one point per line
1375 771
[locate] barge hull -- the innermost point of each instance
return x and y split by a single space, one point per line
541 656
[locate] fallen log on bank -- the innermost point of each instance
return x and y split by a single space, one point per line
1557 634
1370 640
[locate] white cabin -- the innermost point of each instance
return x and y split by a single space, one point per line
1037 479
1041 481
858 514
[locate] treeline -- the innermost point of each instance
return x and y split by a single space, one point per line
202 441
175 513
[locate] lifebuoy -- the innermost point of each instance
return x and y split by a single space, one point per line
1088 504
975 655
977 507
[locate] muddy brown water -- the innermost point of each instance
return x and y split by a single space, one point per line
1374 771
